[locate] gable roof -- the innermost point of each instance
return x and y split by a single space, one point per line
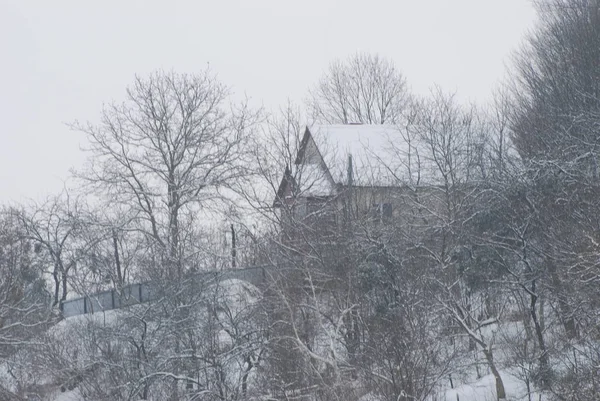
331 156
285 188
364 155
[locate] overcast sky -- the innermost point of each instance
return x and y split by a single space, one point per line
62 59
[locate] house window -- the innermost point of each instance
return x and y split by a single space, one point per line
386 211
299 208
381 212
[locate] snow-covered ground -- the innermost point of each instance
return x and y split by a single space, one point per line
484 389
73 395
72 339
233 299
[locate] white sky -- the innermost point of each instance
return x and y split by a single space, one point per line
62 59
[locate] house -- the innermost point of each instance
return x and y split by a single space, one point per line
348 172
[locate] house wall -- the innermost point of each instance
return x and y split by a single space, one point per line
311 153
326 216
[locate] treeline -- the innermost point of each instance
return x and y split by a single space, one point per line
489 267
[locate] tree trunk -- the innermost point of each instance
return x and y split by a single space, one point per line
501 393
245 376
117 259
564 308
233 248
173 210
64 286
56 285
544 362
63 278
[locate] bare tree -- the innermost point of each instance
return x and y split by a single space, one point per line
365 88
24 296
554 115
171 150
25 306
202 339
55 227
555 90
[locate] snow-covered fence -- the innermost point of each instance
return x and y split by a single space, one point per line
144 292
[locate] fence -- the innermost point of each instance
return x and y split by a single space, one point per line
145 292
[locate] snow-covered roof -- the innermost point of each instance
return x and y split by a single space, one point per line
377 154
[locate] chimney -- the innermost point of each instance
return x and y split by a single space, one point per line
350 171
